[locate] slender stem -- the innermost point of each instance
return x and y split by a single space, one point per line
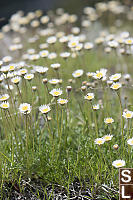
5 157
57 118
100 163
50 133
122 131
10 92
12 145
96 125
128 128
60 132
47 92
95 120
27 137
61 124
19 93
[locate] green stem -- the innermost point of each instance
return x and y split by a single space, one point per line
27 137
96 125
121 119
19 93
50 133
61 126
95 120
57 119
128 128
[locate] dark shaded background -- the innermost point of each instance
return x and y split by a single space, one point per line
9 7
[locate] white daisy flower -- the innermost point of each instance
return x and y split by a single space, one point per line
44 53
108 120
31 51
25 108
29 76
56 92
44 19
51 40
40 69
52 55
4 105
113 44
96 107
44 109
64 54
78 47
63 39
34 57
127 114
90 74
107 137
73 43
130 141
43 46
99 141
12 67
54 81
127 77
118 163
55 66
62 101
5 69
89 96
77 73
16 79
7 59
100 74
115 77
129 41
116 86
23 71
88 45
4 97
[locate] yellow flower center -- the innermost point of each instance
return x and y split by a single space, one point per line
3 98
29 77
56 93
4 105
45 110
23 71
11 67
132 142
116 86
16 80
62 101
109 120
77 74
89 97
99 75
73 43
99 142
129 41
53 81
44 54
107 137
128 115
118 164
115 77
24 108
